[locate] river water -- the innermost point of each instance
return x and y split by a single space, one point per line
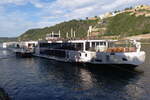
44 79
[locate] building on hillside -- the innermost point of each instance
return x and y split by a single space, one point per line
142 7
147 15
107 15
92 18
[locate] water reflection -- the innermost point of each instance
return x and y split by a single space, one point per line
86 78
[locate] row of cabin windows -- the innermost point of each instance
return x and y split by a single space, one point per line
57 53
94 44
72 46
66 46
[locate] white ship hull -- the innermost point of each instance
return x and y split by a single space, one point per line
127 58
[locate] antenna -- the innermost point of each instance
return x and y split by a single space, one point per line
52 34
74 34
67 35
59 33
89 31
71 32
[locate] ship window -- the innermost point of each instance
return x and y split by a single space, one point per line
57 53
98 60
87 45
97 43
18 46
44 44
93 44
55 35
79 46
124 59
80 54
107 58
101 43
86 55
105 43
69 46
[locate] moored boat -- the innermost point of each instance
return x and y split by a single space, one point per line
22 49
124 52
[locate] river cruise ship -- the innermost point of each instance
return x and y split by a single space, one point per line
99 52
22 49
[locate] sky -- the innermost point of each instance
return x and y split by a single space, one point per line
17 16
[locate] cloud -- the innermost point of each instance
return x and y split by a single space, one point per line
72 4
18 2
71 9
117 3
13 24
19 20
79 13
36 3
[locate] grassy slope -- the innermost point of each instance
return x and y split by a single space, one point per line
128 25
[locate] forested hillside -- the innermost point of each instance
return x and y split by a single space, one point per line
129 22
79 26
